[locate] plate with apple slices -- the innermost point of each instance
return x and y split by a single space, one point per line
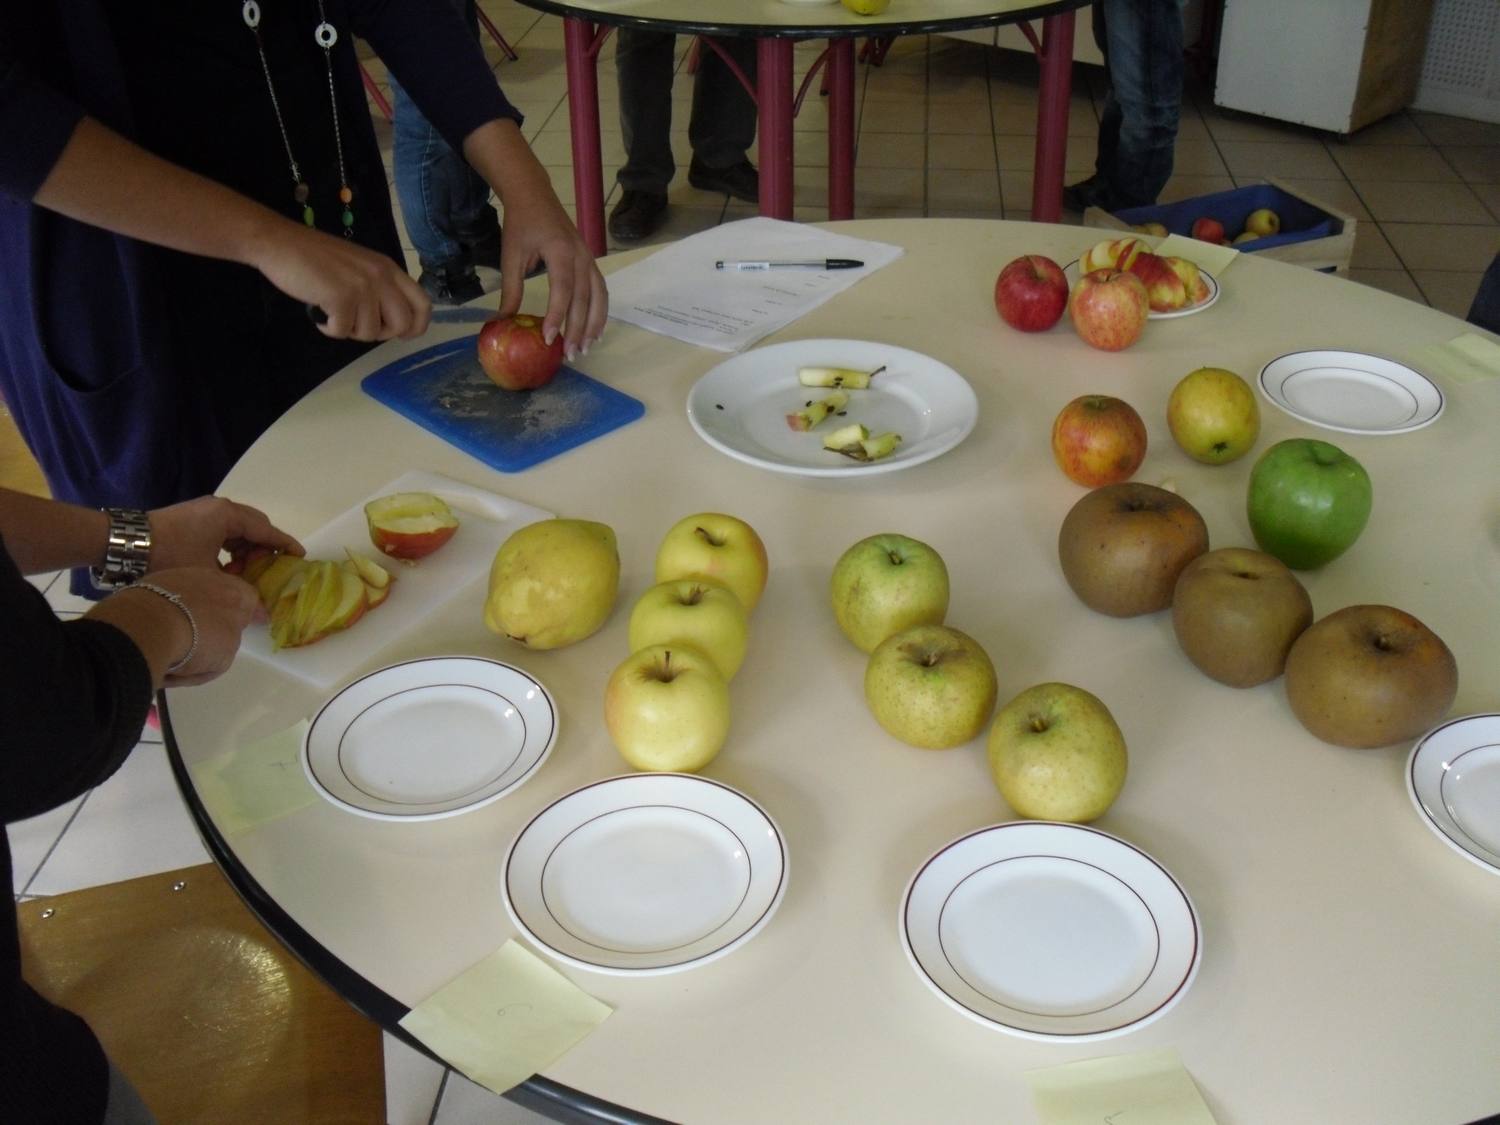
1453 780
429 738
908 408
1051 931
1210 294
646 873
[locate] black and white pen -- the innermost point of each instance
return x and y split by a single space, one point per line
790 264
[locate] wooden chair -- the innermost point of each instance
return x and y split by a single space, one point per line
200 1007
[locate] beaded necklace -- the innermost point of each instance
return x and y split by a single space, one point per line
325 35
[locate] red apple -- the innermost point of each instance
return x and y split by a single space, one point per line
1164 285
1109 308
410 525
1208 229
514 355
1111 254
1031 293
1098 440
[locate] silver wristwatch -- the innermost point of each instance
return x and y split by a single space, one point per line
128 552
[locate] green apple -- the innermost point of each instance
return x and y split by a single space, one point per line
1213 415
931 686
1056 753
713 545
886 583
553 582
1308 502
693 611
666 708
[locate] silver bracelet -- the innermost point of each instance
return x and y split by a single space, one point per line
182 605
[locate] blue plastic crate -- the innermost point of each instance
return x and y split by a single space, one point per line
1301 221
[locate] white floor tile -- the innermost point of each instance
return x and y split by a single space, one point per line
134 824
412 1084
31 840
467 1103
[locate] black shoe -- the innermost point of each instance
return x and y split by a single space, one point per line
739 180
453 285
1084 194
485 250
638 215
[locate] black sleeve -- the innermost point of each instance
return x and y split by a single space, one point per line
73 698
36 121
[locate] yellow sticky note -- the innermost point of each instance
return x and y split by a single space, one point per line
505 1019
255 783
1215 259
1151 1088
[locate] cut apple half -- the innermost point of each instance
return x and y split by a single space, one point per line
410 525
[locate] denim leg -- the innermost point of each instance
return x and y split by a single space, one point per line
722 127
643 68
1142 45
1485 311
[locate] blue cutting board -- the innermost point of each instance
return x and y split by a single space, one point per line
444 390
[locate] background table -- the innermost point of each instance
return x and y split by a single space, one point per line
776 25
1349 966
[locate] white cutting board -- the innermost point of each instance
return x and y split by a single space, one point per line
486 520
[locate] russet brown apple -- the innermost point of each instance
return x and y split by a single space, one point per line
1370 675
1236 613
1122 547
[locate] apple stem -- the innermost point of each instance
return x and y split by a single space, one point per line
896 560
1038 724
708 536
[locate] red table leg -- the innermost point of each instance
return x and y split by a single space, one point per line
1056 58
773 83
841 129
583 126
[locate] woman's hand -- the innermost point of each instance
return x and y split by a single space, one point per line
194 532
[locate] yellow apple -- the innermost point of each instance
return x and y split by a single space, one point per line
553 583
1213 415
695 611
713 545
866 7
666 708
1056 753
931 686
887 583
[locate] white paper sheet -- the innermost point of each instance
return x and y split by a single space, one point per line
677 291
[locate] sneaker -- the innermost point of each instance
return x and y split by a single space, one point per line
638 215
1081 196
485 250
739 180
453 285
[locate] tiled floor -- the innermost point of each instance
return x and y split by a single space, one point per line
945 128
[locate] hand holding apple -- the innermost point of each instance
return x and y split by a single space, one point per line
1097 440
1031 293
1308 502
1109 309
885 584
1213 415
514 354
1056 753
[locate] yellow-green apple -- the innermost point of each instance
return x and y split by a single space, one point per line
1243 237
1236 613
1111 254
1122 547
1213 415
1208 229
1192 278
1307 502
1262 222
410 525
1098 439
931 686
321 598
867 7
713 545
885 584
1109 308
1370 675
515 355
1031 293
666 708
1056 753
1165 290
1153 228
695 611
553 582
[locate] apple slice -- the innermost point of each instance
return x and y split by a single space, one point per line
353 600
284 610
846 437
377 580
836 377
410 525
816 410
273 578
881 445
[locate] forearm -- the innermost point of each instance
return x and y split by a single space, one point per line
500 154
45 535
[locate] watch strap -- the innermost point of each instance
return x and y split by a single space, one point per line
128 551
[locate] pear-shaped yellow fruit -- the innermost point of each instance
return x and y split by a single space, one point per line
553 583
867 7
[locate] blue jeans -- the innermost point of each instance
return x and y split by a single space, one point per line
722 124
444 202
1142 45
1485 311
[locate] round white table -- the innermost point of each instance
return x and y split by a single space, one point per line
1349 958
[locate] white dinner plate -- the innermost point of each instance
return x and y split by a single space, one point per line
1051 931
1351 392
1070 271
429 738
1453 778
645 873
740 407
